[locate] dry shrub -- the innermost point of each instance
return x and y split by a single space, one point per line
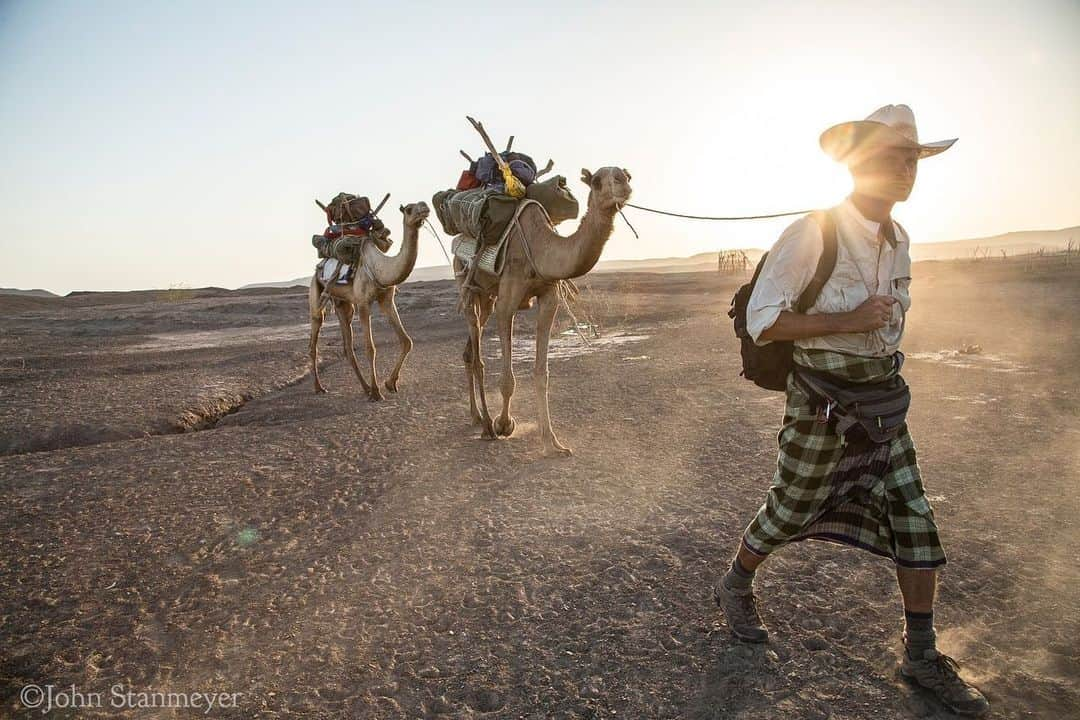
601 308
176 293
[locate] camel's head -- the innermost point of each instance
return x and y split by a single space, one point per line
415 214
609 187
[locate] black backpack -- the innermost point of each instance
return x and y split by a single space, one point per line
768 365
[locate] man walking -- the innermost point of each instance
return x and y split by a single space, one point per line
847 484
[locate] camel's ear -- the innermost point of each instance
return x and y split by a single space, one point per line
626 173
401 208
586 176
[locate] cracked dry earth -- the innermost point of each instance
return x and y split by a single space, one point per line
328 557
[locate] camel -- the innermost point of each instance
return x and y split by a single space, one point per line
376 280
537 258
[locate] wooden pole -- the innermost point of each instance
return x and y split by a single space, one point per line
380 207
487 141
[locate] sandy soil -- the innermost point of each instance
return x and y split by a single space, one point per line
182 513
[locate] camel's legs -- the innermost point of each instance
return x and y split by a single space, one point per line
369 343
505 309
476 329
345 312
316 312
485 302
549 303
466 356
389 308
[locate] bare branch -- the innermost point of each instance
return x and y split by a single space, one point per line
487 141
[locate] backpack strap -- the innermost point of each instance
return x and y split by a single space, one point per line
902 232
826 263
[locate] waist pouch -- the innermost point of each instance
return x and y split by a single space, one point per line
873 410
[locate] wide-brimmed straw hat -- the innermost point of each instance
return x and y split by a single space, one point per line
889 126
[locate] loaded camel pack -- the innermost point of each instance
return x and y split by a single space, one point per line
354 273
350 222
490 194
501 268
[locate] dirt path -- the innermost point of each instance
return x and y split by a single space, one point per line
330 557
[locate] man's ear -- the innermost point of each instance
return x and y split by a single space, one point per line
586 176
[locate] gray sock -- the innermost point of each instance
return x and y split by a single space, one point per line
919 635
738 577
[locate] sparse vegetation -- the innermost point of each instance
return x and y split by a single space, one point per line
178 292
733 261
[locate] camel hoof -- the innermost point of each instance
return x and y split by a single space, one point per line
375 395
391 386
319 389
505 428
554 447
489 431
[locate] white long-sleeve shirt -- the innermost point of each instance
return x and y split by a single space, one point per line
865 266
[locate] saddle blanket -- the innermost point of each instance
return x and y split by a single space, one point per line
464 247
491 257
326 270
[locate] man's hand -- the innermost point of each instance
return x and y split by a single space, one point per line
873 314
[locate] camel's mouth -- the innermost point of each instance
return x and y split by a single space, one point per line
416 214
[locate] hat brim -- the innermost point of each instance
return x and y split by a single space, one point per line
850 141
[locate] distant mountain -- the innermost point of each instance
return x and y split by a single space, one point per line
301 281
436 272
694 263
1013 243
27 293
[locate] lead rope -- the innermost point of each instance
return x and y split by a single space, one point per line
720 218
431 229
623 216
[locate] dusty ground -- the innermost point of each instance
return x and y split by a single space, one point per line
181 513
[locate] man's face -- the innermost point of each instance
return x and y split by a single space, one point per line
888 174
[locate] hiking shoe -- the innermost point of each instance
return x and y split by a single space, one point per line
939 674
740 609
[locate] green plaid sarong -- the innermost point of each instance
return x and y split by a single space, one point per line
886 512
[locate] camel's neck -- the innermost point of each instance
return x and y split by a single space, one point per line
564 258
393 270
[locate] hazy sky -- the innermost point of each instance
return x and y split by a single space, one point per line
149 144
